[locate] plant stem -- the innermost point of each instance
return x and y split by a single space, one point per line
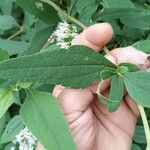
145 124
106 50
72 19
21 30
77 22
45 46
68 16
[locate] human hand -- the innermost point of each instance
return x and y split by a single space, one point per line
91 125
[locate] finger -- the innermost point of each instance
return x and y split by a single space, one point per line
126 114
95 37
129 55
40 146
117 121
57 90
75 100
132 105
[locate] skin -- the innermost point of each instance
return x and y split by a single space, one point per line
91 125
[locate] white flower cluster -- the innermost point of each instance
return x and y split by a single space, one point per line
25 140
64 34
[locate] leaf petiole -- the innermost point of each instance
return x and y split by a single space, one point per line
21 30
60 11
145 124
69 17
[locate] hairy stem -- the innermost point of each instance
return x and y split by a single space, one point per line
21 30
68 16
146 125
45 46
60 11
106 50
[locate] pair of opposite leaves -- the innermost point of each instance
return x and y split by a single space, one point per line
78 67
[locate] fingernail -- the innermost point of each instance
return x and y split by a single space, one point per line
147 63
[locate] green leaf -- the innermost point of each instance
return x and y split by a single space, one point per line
3 55
116 94
117 88
6 100
116 13
9 147
47 122
118 4
133 20
131 67
139 136
107 73
17 99
38 40
52 47
86 9
137 22
7 22
3 122
130 35
143 45
76 67
39 24
41 10
122 69
138 85
44 87
28 20
6 7
135 147
24 85
13 47
128 16
14 126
